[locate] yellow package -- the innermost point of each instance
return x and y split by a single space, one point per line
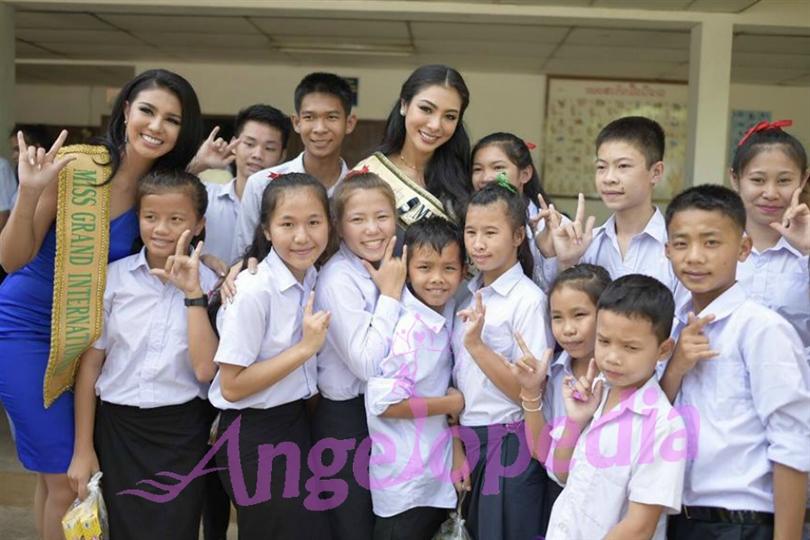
87 519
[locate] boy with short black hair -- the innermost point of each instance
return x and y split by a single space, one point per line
629 164
742 367
627 470
260 140
323 117
408 402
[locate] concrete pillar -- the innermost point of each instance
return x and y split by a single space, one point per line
709 108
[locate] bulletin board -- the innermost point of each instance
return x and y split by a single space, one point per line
577 109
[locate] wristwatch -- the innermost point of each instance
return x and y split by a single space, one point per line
202 301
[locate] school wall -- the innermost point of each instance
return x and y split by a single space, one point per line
500 101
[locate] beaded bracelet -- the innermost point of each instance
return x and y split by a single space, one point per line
525 408
531 400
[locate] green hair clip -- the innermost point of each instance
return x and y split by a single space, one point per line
503 181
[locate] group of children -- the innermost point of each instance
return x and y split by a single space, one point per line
681 384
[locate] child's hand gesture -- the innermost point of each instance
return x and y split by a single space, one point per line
581 396
552 219
473 319
182 270
693 346
315 326
572 239
795 225
213 153
37 168
390 277
530 372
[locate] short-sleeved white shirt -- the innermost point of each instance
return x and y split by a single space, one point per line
264 320
633 453
220 220
411 459
145 338
513 304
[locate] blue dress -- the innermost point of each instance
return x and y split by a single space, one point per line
44 437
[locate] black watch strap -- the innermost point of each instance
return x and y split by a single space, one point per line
202 301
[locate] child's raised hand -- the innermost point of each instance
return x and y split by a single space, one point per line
390 276
182 270
552 219
795 225
582 396
214 153
572 239
473 319
315 325
530 372
36 167
693 346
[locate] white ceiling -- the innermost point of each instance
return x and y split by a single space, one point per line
121 38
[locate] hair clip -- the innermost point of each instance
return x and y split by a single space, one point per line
273 175
356 172
763 126
502 181
530 145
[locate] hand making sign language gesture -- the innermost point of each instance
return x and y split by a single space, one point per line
693 346
214 153
315 326
182 269
582 396
38 168
571 240
795 225
530 372
552 220
390 276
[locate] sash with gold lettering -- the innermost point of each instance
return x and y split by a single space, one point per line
80 265
413 201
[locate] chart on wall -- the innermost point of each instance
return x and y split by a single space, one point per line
577 109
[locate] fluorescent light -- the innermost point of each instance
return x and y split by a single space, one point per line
365 50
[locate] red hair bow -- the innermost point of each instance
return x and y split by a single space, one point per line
530 145
362 170
273 175
762 126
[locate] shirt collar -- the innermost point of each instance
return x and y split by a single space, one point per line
229 191
354 260
139 261
563 361
721 307
780 245
656 227
282 276
641 401
433 320
503 284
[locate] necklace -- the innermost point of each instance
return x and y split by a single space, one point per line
407 163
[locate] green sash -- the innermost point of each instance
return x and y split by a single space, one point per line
80 265
413 201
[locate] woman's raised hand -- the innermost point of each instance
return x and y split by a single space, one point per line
38 168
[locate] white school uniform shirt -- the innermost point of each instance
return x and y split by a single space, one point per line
8 186
778 278
252 197
221 216
145 338
513 304
633 453
411 459
265 320
553 402
360 330
752 402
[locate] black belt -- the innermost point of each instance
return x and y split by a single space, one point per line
723 515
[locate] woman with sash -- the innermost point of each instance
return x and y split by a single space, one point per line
56 245
425 152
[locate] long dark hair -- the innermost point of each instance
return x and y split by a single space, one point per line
447 175
518 153
190 136
515 213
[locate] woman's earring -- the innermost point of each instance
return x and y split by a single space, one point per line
402 112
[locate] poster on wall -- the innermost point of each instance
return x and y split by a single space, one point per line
577 109
741 120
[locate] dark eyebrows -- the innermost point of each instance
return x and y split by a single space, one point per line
436 106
